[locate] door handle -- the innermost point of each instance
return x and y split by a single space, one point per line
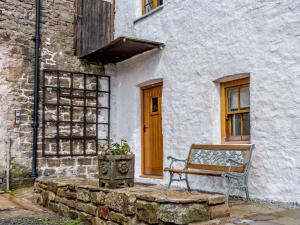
145 128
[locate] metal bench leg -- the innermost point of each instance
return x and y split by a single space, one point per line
187 182
171 179
246 189
229 188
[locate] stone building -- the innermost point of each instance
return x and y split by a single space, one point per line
218 72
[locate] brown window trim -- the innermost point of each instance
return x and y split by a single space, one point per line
225 139
155 5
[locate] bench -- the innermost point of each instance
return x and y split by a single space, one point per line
229 161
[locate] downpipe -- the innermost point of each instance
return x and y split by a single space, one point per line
35 124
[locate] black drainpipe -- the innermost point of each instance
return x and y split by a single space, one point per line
35 124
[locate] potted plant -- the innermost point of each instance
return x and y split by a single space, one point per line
116 166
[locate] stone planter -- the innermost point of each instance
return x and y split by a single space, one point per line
116 171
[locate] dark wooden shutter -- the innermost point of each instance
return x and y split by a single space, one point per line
93 25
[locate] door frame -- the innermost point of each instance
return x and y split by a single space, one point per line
160 83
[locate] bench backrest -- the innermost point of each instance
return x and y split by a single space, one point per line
215 157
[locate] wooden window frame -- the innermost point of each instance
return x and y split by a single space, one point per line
155 5
225 124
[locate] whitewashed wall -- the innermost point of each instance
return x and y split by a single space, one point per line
206 40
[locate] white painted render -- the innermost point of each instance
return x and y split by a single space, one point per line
205 41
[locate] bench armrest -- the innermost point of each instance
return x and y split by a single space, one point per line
173 159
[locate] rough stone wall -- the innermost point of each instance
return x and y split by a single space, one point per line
17 20
206 40
83 199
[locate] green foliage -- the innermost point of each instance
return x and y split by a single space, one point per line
120 148
73 222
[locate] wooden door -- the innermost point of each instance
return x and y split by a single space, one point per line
152 131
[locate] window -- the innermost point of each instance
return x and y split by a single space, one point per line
149 5
235 111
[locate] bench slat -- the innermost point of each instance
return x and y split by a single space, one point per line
222 147
238 169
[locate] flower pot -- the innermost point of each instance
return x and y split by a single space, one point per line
116 171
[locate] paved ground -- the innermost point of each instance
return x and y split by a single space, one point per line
16 209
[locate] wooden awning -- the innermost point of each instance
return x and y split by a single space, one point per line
121 49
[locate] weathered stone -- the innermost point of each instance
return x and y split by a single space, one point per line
63 210
97 221
70 195
45 198
119 218
68 162
85 218
183 213
61 192
53 206
53 162
218 211
86 207
73 214
103 212
51 196
121 202
70 203
84 161
52 186
98 197
83 195
216 199
148 211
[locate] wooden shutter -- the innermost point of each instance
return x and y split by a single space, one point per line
93 25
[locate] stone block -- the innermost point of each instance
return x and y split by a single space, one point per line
61 192
51 196
53 162
103 212
86 207
85 218
98 197
97 221
218 211
183 213
84 161
73 214
52 186
63 210
83 195
119 218
121 202
70 195
68 162
53 206
68 202
148 211
216 199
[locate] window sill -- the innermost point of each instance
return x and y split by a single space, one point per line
236 142
159 8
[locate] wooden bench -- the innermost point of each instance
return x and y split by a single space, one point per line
229 161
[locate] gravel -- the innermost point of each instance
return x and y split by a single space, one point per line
34 221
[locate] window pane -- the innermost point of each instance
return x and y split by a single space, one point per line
148 5
245 97
233 99
159 2
236 125
154 104
246 124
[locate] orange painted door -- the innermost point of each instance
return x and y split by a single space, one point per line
152 131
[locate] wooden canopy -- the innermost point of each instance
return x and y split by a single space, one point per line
121 49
